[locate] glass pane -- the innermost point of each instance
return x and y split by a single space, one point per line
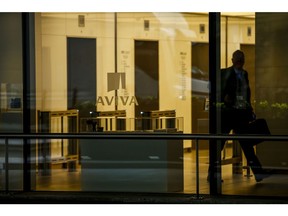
11 100
149 74
117 165
238 33
261 169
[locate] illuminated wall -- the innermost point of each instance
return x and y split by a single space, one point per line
174 31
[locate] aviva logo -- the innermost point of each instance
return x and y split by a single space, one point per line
116 81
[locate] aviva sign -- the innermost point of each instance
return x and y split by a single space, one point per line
113 84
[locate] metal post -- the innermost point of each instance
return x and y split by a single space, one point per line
29 88
6 166
115 52
62 141
197 168
214 98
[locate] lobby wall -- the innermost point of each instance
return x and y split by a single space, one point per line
272 84
174 31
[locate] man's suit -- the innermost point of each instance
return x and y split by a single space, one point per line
234 118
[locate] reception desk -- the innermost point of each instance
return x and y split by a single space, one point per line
132 165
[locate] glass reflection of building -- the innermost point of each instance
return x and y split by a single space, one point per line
132 72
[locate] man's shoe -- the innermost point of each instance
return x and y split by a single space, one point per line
265 174
208 179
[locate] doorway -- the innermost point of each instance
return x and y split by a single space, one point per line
146 80
81 69
200 91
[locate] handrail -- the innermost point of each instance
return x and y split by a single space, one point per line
142 135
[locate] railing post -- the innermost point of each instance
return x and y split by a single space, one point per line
197 168
6 165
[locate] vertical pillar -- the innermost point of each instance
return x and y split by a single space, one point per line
215 97
29 114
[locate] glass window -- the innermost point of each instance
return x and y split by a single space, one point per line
237 33
145 73
262 40
122 72
11 101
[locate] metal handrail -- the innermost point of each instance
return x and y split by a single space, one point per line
141 135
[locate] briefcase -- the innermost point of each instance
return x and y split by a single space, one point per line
256 127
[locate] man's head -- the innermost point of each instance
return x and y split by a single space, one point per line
238 59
